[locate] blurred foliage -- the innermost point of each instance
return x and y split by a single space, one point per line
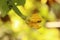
19 26
5 6
19 2
56 9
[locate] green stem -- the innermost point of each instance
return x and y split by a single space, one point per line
17 10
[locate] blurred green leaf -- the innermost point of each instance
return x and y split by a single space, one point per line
14 7
19 2
5 6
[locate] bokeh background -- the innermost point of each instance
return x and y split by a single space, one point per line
26 19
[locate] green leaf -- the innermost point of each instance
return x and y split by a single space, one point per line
19 2
4 8
14 7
